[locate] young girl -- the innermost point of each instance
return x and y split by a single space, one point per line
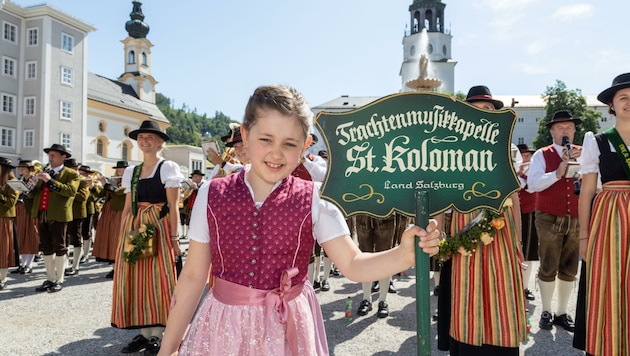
257 228
604 227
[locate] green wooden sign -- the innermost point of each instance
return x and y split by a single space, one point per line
381 153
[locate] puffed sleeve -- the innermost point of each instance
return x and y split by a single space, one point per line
171 175
126 178
328 221
589 159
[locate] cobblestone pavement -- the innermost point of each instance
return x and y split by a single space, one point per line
75 321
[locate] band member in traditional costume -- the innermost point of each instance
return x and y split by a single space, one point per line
528 218
108 229
26 224
8 199
145 271
74 235
196 181
52 203
605 228
88 222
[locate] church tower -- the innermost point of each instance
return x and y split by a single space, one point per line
428 15
138 56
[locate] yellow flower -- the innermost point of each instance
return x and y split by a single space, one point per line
462 251
142 228
129 247
498 223
486 238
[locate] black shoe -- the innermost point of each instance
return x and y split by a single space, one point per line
38 258
436 291
71 272
316 285
325 287
153 346
565 321
83 259
110 274
529 295
392 289
364 307
138 343
334 272
376 286
545 322
55 288
26 270
45 286
383 310
434 317
18 270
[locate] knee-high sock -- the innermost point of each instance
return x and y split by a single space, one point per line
76 252
49 263
327 267
146 332
60 268
526 274
156 331
86 247
382 294
3 274
311 272
318 264
436 278
367 291
546 294
564 293
27 260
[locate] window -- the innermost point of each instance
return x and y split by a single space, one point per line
67 43
132 57
31 70
66 110
64 139
9 66
8 103
29 138
99 147
32 36
520 119
9 32
196 164
29 106
125 151
7 137
102 126
144 58
66 75
521 140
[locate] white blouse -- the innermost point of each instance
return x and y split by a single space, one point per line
169 174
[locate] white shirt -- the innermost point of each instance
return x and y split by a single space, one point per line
316 168
537 179
328 221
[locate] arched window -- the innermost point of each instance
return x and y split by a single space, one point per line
125 151
132 57
99 147
144 58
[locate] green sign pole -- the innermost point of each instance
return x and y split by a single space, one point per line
423 305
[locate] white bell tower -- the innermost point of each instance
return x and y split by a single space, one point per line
429 15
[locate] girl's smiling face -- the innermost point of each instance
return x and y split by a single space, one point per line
275 144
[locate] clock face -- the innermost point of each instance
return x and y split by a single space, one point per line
430 48
412 50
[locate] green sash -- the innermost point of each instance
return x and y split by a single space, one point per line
622 150
134 193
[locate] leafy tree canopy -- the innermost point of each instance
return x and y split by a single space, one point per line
558 97
190 128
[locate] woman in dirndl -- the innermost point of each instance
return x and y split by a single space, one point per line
8 199
605 226
26 224
143 286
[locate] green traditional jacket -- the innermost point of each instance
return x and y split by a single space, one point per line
79 207
116 195
8 199
63 187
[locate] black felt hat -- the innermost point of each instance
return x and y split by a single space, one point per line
71 162
482 93
234 130
149 126
621 81
236 138
522 147
59 148
563 116
121 164
26 163
196 171
86 169
6 162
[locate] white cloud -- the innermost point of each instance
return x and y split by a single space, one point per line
504 5
569 13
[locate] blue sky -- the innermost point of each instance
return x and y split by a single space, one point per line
212 54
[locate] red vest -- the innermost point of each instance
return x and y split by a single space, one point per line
528 201
301 172
252 246
559 199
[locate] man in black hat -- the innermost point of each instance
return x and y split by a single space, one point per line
52 204
74 235
190 194
556 218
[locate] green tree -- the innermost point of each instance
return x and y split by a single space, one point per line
558 97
